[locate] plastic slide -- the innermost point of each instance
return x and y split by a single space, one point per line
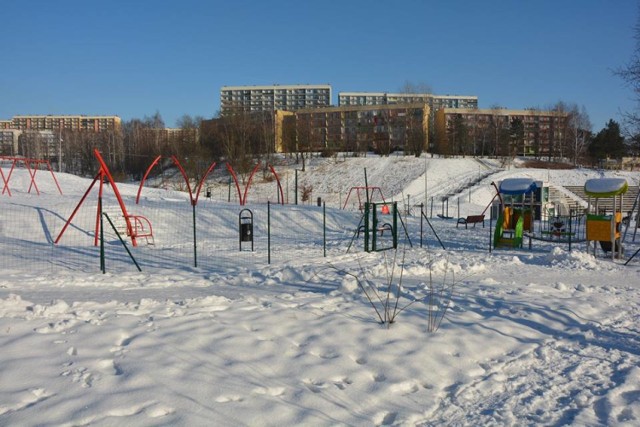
515 241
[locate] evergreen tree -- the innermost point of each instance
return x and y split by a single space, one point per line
608 143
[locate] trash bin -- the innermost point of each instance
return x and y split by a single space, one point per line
246 232
245 226
319 201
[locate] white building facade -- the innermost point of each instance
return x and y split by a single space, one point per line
271 98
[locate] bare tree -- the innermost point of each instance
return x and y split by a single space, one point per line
415 132
415 88
579 132
630 73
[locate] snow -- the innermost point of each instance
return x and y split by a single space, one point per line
545 336
517 186
597 186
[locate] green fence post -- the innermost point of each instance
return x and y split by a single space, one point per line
295 188
366 226
195 246
421 221
395 225
324 229
374 226
124 245
103 267
366 184
268 232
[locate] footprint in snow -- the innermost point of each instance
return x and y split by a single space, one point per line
342 382
404 388
29 399
269 391
229 398
324 355
379 377
385 418
315 385
360 360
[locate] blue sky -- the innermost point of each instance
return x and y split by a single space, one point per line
135 58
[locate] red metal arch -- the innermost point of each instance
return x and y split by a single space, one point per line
144 178
235 179
241 197
186 179
204 177
246 188
194 199
279 185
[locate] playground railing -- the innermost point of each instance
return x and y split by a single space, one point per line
562 229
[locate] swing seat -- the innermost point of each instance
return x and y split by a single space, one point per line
141 228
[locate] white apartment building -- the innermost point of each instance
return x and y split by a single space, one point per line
435 102
63 122
276 97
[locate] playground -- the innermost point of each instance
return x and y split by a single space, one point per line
109 219
288 333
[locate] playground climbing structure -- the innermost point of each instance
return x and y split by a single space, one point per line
517 213
603 225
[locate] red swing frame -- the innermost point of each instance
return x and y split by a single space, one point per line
104 173
32 166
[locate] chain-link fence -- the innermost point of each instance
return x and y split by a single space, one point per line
51 233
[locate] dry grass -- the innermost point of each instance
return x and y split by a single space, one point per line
542 164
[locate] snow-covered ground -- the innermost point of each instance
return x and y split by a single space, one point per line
545 336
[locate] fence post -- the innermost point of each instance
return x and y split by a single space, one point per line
431 212
395 226
421 221
324 229
195 246
366 184
366 226
268 232
570 229
490 227
103 267
295 188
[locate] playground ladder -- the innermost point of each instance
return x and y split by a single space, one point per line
634 213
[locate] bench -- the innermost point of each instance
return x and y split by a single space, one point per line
471 219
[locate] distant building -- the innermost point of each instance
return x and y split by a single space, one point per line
499 132
435 102
43 136
39 144
170 136
271 98
9 141
381 128
64 122
250 131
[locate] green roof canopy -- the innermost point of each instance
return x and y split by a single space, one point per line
605 187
